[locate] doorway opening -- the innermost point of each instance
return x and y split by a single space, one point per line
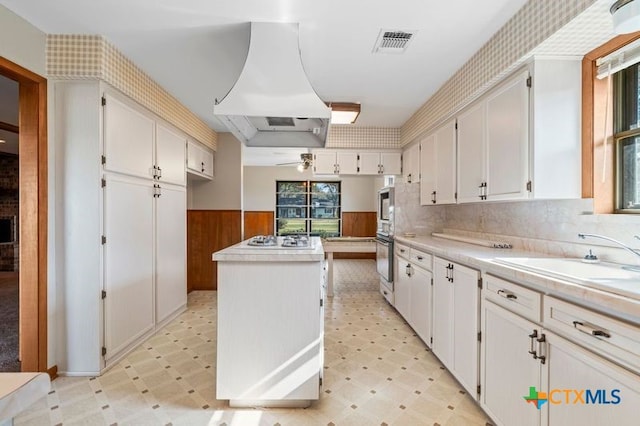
30 223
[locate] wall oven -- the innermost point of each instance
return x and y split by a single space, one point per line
384 257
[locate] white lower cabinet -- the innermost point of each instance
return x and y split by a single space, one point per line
521 358
412 291
455 320
508 369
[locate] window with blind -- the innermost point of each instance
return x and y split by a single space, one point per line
308 207
621 68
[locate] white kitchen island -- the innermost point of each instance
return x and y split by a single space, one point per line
270 325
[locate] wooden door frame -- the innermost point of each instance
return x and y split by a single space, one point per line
32 160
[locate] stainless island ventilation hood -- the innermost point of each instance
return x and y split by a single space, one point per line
272 103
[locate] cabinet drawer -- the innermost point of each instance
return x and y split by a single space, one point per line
513 297
421 259
402 250
386 292
612 338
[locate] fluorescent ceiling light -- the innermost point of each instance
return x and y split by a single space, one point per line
626 16
344 113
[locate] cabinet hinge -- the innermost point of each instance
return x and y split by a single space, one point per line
529 186
103 182
321 302
358 157
431 340
456 124
104 240
103 102
103 160
455 195
432 281
320 381
104 294
358 169
479 336
529 81
480 283
478 389
104 351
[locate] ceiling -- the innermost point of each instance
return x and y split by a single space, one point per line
195 49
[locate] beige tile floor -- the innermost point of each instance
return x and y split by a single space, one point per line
377 372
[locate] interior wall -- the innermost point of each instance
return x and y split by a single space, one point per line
224 192
259 188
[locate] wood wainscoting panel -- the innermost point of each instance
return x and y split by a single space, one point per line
358 224
258 223
207 232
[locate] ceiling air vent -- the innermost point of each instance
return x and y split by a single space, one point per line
392 41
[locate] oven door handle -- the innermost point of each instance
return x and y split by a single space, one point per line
382 242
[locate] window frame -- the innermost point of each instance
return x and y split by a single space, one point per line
308 184
594 94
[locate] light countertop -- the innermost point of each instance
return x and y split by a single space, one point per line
242 252
481 258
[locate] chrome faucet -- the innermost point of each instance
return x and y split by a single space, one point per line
624 246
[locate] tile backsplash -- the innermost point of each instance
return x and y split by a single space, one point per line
544 226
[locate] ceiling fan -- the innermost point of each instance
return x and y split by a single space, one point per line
305 162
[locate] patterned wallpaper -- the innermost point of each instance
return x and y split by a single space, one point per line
92 57
522 36
346 136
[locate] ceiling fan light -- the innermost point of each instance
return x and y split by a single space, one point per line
344 113
626 16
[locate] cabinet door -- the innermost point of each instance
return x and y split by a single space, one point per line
391 163
347 162
208 160
507 368
508 145
465 326
442 312
128 261
128 139
324 163
194 157
171 252
572 367
471 154
369 163
428 163
170 155
411 164
421 303
446 163
402 288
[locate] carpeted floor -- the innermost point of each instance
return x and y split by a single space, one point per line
9 322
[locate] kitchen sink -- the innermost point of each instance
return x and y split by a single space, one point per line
611 277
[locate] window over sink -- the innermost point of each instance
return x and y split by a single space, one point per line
308 207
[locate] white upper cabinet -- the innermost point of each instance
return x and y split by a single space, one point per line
438 166
347 162
390 163
411 164
200 160
512 140
170 155
128 139
369 163
324 163
508 140
472 154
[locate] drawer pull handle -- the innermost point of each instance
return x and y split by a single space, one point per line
420 257
580 326
533 336
402 250
507 294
